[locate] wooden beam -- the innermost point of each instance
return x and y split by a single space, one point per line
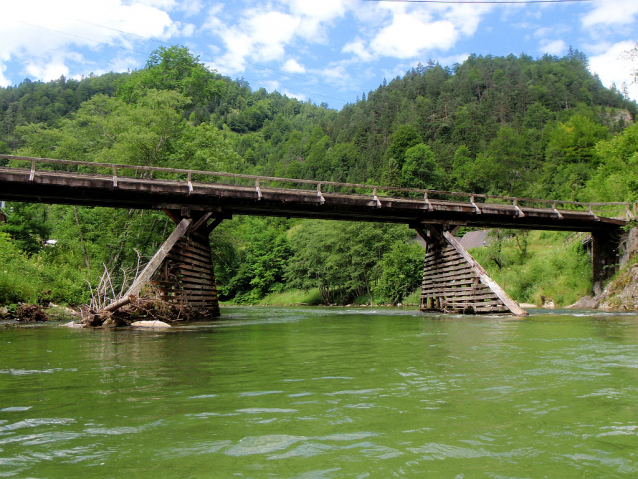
213 225
202 220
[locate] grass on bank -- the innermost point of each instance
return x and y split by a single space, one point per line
31 279
294 297
536 267
298 297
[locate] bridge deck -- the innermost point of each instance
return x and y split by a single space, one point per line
113 190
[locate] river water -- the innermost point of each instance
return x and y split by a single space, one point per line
314 393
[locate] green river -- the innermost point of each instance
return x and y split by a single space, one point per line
313 393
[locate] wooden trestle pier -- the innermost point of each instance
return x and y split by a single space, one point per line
453 281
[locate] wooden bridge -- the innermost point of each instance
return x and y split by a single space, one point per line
453 281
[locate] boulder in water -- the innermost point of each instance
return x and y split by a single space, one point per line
150 324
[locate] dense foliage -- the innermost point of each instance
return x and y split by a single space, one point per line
542 127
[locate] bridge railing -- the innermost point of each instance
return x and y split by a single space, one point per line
118 173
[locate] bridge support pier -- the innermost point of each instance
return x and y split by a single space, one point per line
453 282
605 256
186 275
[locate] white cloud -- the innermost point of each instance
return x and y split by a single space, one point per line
543 32
47 71
188 29
316 16
274 85
408 32
291 66
612 67
4 81
335 72
451 60
191 7
259 36
611 12
263 33
407 36
359 49
39 34
553 47
467 17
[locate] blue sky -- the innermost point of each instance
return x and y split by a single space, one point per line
323 50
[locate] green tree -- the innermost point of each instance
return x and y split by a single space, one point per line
401 272
174 68
28 226
420 169
570 157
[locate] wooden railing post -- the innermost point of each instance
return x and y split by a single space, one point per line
32 174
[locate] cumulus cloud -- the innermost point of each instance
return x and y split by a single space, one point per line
409 32
612 66
263 32
453 59
291 66
4 81
271 31
316 16
408 35
359 49
611 12
553 47
259 36
40 34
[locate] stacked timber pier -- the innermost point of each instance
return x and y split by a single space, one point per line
453 281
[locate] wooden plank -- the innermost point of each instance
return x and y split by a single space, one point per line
202 220
450 282
192 271
197 246
467 304
183 256
186 287
480 287
443 261
465 294
444 268
452 275
190 254
479 298
440 255
450 262
180 295
184 270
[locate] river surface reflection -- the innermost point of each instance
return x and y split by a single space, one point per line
314 393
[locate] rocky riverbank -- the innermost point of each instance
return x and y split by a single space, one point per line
621 294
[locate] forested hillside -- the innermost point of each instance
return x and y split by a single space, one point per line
541 127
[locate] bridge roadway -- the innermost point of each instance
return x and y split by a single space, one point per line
52 181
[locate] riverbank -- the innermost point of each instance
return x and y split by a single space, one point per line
312 297
620 294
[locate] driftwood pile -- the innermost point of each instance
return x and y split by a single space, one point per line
109 308
30 313
141 300
137 309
